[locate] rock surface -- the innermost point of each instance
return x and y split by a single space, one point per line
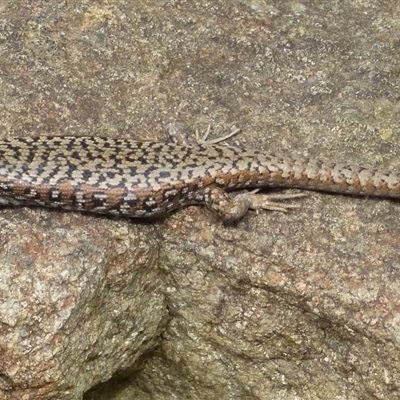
303 305
78 302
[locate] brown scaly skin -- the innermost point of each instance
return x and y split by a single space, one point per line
146 179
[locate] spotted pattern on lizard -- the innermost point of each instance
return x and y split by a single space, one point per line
149 179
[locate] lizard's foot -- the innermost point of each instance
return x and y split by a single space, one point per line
232 210
177 133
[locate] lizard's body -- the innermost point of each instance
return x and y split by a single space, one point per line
144 179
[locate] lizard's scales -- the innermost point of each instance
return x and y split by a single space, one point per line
142 179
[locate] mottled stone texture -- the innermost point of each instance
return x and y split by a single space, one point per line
304 305
78 302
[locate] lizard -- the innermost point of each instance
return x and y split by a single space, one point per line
124 177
